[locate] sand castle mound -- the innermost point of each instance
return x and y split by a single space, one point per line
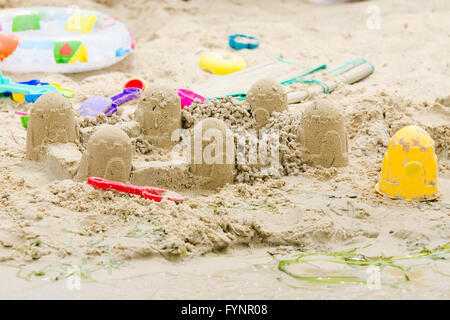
108 155
51 121
159 114
264 97
318 137
212 152
322 132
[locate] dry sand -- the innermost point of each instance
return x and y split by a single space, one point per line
50 229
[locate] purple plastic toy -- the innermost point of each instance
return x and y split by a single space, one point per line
95 105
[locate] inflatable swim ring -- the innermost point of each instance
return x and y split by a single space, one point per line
221 62
61 39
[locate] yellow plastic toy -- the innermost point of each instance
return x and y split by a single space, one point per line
221 62
409 169
81 23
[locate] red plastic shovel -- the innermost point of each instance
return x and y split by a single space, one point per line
145 192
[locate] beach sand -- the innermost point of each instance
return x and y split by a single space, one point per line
54 233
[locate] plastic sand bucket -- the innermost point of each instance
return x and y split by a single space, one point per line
409 169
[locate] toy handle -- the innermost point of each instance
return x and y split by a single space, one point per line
347 66
32 82
112 109
147 193
356 74
23 88
158 197
21 113
126 95
114 185
151 196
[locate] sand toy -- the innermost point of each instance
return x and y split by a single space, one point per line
409 169
154 194
159 114
212 153
238 84
221 62
51 121
32 97
96 105
24 118
322 132
18 97
108 155
136 83
61 39
265 97
31 90
348 73
187 97
242 41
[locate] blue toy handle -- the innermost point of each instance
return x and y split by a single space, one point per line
34 83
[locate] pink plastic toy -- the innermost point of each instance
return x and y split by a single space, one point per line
187 97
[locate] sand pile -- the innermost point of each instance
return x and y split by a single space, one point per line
265 97
51 121
108 155
159 115
322 132
235 114
212 155
132 227
239 118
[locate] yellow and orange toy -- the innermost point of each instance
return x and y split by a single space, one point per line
409 169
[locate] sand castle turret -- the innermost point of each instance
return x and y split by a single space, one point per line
264 97
51 121
159 114
322 132
212 153
108 155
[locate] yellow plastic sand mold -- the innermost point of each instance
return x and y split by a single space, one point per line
409 169
222 62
